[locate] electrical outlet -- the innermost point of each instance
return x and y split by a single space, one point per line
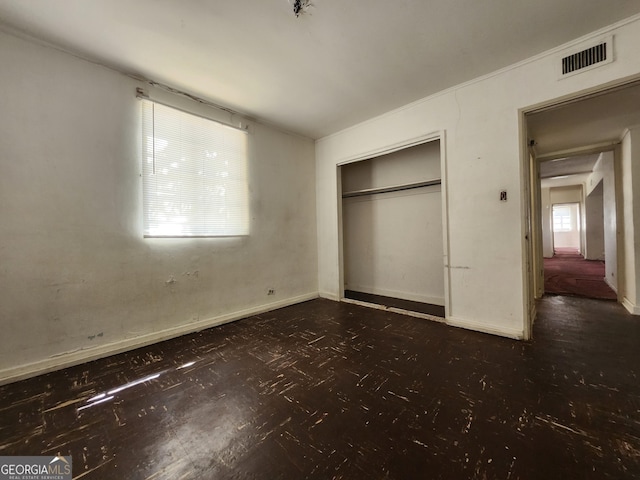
271 291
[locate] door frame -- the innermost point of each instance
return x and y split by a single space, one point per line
532 254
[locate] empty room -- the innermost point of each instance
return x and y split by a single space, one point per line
289 239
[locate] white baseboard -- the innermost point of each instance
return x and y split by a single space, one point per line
486 328
70 359
414 297
632 308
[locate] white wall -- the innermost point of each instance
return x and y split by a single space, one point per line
566 194
393 241
594 223
604 173
77 280
630 168
485 154
602 183
547 218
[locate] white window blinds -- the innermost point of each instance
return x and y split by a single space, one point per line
194 175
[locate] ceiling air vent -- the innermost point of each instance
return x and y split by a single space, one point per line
587 58
584 59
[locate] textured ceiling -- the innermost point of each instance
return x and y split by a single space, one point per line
568 166
340 64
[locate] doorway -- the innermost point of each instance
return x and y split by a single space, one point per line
566 228
594 124
572 219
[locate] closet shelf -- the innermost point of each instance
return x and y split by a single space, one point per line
395 188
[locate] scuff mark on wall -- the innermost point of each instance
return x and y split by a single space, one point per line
171 280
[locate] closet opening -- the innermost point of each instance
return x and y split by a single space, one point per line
392 230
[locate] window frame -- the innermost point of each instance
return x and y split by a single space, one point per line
562 216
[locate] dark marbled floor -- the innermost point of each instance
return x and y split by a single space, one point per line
328 390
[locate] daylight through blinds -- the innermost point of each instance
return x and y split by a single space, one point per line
194 175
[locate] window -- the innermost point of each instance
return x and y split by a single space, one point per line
194 175
563 218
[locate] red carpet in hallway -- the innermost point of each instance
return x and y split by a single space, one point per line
568 273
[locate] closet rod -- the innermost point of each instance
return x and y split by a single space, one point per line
397 188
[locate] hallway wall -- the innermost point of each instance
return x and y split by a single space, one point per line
604 171
630 169
594 224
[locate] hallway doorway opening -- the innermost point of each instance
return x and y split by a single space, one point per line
575 226
596 129
566 228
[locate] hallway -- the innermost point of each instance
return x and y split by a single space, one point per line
568 273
